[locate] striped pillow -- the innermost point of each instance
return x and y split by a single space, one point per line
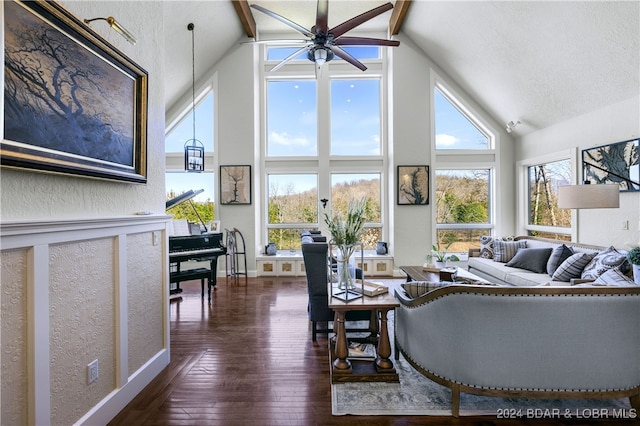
614 277
572 267
503 251
415 289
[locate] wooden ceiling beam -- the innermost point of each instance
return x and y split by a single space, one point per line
398 15
246 18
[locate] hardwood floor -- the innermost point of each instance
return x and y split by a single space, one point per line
247 358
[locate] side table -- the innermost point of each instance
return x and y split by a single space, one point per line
345 370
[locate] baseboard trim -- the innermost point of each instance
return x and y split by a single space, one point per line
103 412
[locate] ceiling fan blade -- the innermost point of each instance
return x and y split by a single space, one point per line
284 20
322 16
365 41
338 30
344 55
290 57
278 42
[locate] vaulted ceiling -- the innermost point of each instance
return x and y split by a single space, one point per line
538 61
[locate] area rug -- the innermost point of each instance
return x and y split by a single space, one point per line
417 395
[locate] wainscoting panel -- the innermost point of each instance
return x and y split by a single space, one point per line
76 291
13 308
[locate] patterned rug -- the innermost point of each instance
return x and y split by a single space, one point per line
417 395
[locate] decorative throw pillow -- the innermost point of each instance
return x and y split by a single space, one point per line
605 260
531 259
614 277
572 267
486 246
503 251
558 255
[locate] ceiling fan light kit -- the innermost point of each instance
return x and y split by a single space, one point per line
323 44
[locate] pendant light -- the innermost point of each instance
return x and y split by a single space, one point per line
193 148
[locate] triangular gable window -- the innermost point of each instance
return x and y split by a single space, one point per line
455 127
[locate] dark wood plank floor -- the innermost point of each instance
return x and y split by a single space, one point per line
247 358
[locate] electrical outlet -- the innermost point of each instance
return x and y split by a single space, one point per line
156 238
92 371
625 225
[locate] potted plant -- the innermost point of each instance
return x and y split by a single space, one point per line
440 257
634 259
345 233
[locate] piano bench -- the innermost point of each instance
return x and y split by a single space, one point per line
192 274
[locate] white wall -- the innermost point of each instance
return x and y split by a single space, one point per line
411 133
609 124
237 135
78 261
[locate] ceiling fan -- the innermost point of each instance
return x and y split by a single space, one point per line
323 43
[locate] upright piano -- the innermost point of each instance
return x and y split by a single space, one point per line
204 247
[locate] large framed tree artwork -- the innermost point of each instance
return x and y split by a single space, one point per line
73 103
616 163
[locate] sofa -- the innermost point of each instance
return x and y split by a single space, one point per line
533 267
529 342
314 252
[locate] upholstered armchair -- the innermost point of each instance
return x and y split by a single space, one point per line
314 252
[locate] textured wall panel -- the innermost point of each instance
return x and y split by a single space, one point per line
81 326
145 323
13 309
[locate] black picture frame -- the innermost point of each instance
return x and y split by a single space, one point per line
613 163
413 185
73 103
235 185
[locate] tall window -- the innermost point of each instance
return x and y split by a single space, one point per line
313 124
346 187
544 216
292 207
355 117
292 127
462 207
465 166
177 180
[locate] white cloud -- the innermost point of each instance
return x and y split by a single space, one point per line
446 140
285 140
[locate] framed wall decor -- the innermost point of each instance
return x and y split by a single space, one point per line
73 103
413 185
215 227
235 184
613 163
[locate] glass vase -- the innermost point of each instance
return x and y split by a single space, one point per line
346 266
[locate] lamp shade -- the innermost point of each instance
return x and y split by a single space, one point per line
589 196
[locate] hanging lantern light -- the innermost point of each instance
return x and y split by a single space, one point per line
193 148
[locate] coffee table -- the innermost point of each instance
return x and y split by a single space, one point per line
417 273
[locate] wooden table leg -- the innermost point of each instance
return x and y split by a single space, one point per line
341 350
384 345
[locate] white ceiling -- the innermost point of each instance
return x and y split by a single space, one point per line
538 61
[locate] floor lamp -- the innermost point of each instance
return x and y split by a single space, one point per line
588 196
